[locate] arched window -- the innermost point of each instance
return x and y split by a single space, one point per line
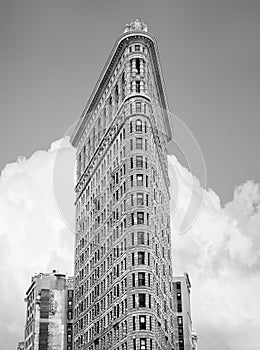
138 125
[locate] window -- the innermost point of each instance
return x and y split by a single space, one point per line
139 143
142 322
131 163
178 296
137 65
133 279
143 344
133 258
140 258
138 124
123 85
140 237
141 279
140 218
131 126
179 308
138 107
139 179
141 300
116 95
139 161
179 319
133 296
180 330
137 47
132 199
131 144
137 85
132 219
140 198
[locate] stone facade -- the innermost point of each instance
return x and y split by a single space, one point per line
49 313
123 269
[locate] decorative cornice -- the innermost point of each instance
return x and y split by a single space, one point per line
107 71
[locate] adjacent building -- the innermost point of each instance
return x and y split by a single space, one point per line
123 264
20 345
186 336
49 312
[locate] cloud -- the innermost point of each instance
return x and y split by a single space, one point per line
33 236
220 251
221 254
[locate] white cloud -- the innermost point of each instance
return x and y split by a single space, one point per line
221 254
220 251
33 236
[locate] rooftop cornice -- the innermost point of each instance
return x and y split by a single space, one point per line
121 42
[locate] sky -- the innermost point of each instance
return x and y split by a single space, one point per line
52 53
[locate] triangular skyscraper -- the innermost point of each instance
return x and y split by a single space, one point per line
123 268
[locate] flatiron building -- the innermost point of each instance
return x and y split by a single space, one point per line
123 266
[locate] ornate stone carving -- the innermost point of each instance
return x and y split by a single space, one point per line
135 26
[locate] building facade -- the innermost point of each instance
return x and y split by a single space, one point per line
186 336
123 268
49 313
